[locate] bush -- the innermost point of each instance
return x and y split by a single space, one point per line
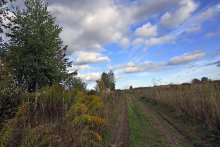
58 118
84 118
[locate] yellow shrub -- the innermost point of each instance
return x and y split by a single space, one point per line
97 120
85 119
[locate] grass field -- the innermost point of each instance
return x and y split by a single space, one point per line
192 109
142 131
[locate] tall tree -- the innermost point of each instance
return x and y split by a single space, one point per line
111 80
8 88
35 52
107 81
100 86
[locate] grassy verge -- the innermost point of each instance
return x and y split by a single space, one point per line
111 123
142 132
195 132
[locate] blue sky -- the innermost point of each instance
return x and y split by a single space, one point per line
144 42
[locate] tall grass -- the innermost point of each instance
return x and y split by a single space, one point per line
58 118
197 102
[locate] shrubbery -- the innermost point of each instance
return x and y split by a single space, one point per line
73 118
41 104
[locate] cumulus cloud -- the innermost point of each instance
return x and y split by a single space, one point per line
160 40
124 42
91 77
185 58
89 57
185 10
147 30
138 41
147 8
87 24
79 68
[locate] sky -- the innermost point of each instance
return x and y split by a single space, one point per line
144 42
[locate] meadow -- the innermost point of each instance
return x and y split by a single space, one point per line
193 105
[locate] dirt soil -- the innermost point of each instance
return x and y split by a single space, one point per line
120 134
172 136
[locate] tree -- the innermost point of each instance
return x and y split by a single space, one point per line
195 81
111 80
76 84
35 52
204 79
3 14
100 85
8 88
107 81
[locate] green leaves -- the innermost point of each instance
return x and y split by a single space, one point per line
107 81
36 53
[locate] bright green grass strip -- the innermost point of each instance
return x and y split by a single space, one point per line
142 133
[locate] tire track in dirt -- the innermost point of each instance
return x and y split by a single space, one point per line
172 136
120 134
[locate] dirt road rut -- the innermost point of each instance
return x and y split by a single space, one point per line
120 135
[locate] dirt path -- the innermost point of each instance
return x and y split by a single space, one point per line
172 137
120 135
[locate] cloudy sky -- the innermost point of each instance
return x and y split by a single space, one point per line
142 41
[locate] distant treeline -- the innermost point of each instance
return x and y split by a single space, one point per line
203 80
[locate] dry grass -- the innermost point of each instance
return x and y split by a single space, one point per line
196 102
59 118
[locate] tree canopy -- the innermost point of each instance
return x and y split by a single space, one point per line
35 51
107 81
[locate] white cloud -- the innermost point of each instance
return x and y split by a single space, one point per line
89 57
188 73
185 10
160 40
83 30
139 67
124 42
194 24
89 23
138 41
132 67
91 77
194 29
212 34
79 68
147 30
206 14
185 58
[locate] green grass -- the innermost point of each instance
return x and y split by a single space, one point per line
193 131
142 132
